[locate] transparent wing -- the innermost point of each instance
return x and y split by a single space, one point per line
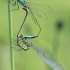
39 10
55 65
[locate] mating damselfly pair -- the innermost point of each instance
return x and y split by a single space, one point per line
31 8
41 11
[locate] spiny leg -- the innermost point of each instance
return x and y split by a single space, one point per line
13 41
15 3
16 44
21 42
21 27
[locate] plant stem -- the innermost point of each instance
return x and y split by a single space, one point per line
56 42
10 36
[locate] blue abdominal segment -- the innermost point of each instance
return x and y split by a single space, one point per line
30 37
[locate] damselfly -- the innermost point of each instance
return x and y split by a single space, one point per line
38 9
55 65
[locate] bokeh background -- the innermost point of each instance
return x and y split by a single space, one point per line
54 38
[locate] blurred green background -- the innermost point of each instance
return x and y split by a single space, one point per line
54 38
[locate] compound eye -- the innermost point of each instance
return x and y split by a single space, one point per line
21 36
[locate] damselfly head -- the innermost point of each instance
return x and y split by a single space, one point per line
21 36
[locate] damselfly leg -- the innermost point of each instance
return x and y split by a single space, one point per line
13 4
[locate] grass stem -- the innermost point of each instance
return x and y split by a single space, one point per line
10 35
